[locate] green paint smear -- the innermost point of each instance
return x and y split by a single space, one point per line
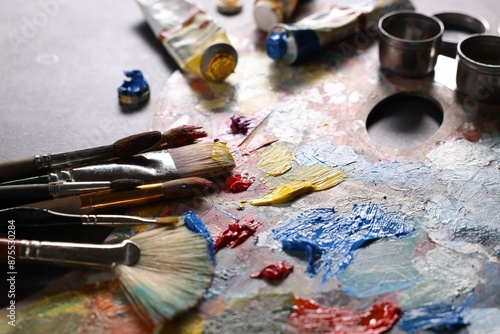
64 323
445 275
382 267
264 314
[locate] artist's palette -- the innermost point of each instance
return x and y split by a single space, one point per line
435 175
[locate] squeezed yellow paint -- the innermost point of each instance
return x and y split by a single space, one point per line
276 160
322 177
220 67
302 181
284 193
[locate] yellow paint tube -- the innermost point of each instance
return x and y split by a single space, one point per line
193 39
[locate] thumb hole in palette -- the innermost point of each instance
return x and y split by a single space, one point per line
404 120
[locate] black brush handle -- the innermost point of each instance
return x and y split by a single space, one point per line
24 191
19 169
32 217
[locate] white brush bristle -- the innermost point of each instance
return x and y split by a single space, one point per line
173 273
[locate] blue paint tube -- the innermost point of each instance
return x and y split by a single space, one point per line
288 43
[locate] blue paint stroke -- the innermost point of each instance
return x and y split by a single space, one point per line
400 176
338 236
196 225
437 317
135 90
374 272
227 214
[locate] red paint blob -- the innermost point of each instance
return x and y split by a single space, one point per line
309 316
472 135
236 234
236 183
279 270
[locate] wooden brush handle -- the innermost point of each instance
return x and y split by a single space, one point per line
19 169
32 217
70 254
37 191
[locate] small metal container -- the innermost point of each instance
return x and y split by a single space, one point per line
478 71
409 43
458 26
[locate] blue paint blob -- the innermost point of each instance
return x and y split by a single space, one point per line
195 224
313 251
437 317
336 237
135 90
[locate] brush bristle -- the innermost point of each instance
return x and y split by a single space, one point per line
169 220
172 275
202 159
182 135
135 144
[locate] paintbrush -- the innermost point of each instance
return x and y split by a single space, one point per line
163 271
35 217
185 187
56 189
125 147
199 159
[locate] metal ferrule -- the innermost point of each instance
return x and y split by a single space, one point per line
75 158
113 220
68 188
149 167
42 162
80 255
109 198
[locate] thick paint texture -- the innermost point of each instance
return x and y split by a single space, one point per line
237 183
240 124
275 271
437 317
331 239
262 314
195 224
467 221
311 317
276 160
236 234
444 274
375 272
301 181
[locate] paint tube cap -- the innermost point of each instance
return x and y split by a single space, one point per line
229 7
276 45
218 62
266 15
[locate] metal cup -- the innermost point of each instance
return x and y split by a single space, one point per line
409 43
478 71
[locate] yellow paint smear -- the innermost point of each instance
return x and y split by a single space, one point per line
276 160
220 153
284 193
302 181
190 324
322 177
